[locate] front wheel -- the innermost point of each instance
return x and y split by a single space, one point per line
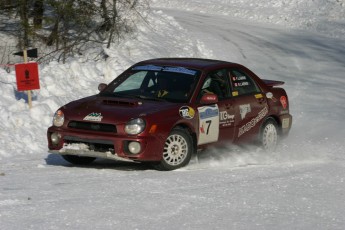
177 151
269 135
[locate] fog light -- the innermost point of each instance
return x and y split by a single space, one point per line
55 138
134 147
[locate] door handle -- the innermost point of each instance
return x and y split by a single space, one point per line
229 105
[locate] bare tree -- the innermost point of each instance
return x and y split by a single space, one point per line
120 16
66 26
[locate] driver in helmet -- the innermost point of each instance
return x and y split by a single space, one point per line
162 86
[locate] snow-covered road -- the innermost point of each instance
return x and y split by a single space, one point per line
124 196
299 187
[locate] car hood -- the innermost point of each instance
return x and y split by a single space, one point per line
114 110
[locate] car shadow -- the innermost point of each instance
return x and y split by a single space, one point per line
57 160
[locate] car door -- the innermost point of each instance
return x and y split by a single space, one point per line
216 122
249 103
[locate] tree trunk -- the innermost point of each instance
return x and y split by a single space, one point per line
106 19
113 24
53 37
23 12
38 13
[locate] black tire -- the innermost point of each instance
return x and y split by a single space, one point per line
177 151
78 160
269 135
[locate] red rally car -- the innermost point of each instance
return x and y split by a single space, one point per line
164 110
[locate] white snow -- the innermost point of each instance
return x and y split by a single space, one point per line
301 186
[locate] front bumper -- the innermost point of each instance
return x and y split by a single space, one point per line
285 124
90 153
105 145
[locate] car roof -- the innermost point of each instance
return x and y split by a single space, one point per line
192 63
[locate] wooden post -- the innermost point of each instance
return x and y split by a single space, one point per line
25 55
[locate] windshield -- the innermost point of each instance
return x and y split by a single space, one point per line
149 82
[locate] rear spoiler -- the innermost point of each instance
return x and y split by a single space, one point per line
271 83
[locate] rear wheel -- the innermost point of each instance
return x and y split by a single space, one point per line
177 151
78 160
269 135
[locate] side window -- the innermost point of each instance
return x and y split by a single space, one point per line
216 82
242 83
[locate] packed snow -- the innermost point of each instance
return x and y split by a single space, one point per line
301 186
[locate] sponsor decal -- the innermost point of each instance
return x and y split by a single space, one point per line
270 95
244 109
245 128
166 69
286 123
179 70
93 117
148 67
202 130
208 113
258 96
210 97
283 101
226 119
187 112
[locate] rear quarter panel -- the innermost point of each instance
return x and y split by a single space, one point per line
279 109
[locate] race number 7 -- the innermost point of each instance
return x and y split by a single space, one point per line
208 127
208 124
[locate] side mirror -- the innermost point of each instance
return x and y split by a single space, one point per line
102 86
209 98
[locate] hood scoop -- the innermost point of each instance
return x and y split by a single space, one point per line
121 103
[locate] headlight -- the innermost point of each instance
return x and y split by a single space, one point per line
58 118
135 126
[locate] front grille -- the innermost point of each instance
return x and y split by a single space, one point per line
92 145
98 127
